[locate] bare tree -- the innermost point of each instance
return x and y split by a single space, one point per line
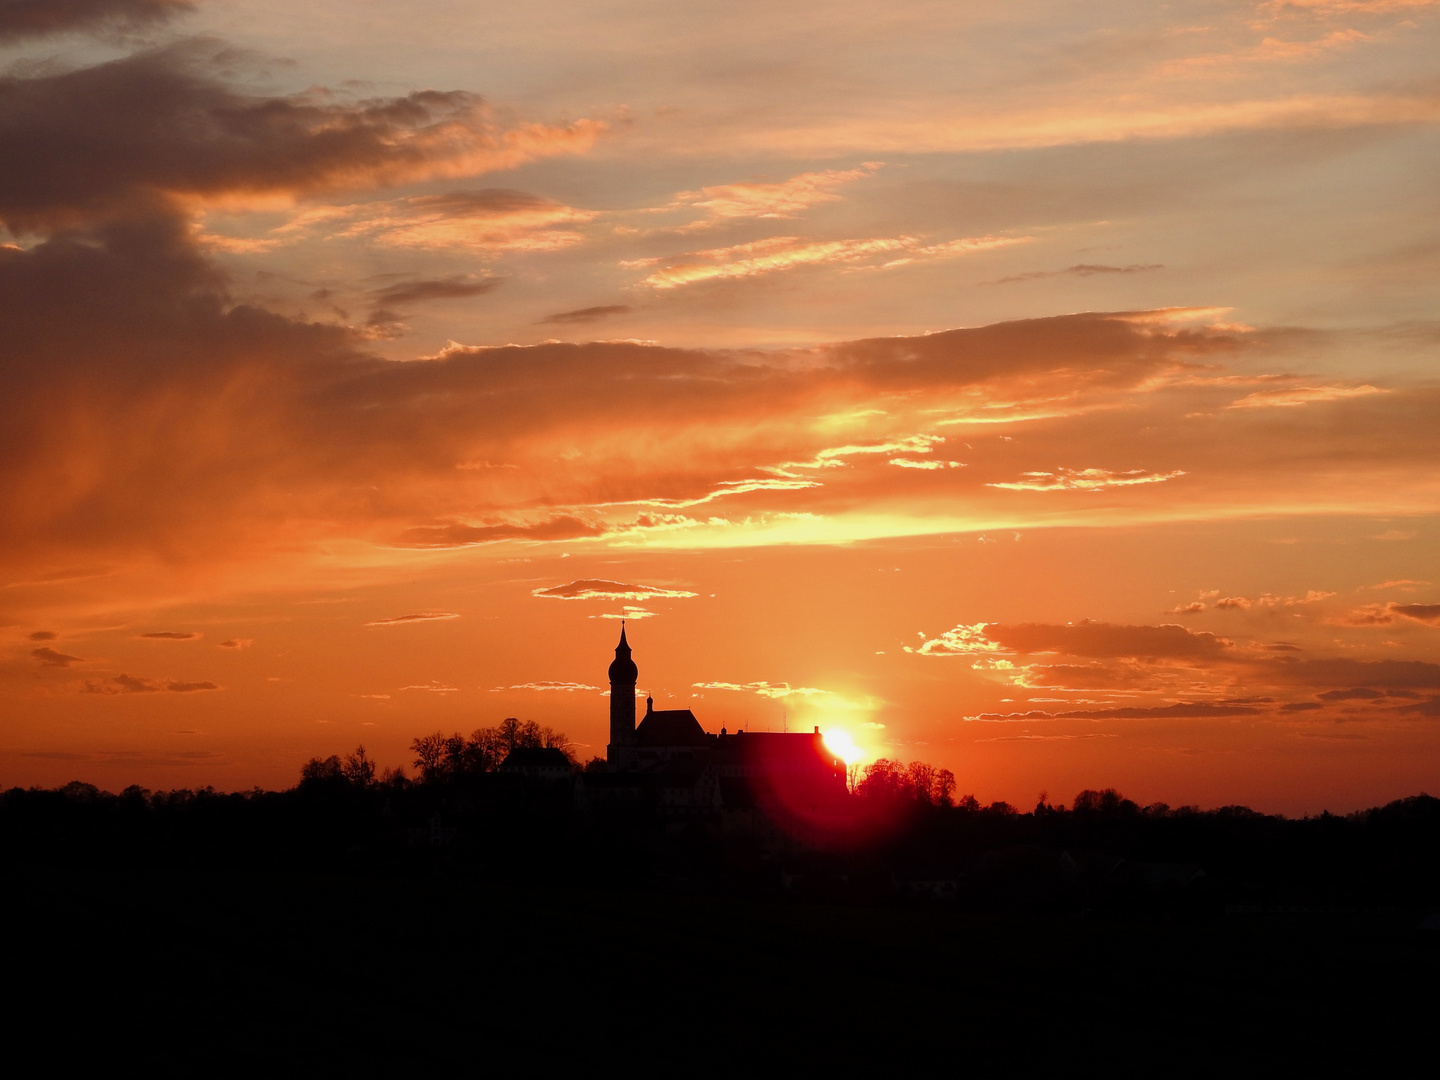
429 751
359 769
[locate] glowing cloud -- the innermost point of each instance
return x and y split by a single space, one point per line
773 200
764 689
1303 395
596 589
566 687
790 252
626 614
1085 480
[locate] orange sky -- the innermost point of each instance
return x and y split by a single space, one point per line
1047 394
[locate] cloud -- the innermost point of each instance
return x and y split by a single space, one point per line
1355 674
597 589
1267 600
39 18
433 687
1302 395
833 457
412 292
1081 270
1085 480
1358 693
911 463
48 657
171 635
782 199
1426 613
426 616
488 220
1085 639
764 689
586 315
626 614
779 253
458 535
147 410
386 320
236 643
1180 709
567 687
1386 614
44 635
133 684
1043 738
99 140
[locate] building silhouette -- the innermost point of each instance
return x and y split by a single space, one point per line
788 788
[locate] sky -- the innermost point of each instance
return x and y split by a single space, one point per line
1044 391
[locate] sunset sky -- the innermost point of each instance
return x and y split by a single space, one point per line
1043 390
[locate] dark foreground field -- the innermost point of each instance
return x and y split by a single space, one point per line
206 971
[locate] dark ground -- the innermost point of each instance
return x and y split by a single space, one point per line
202 970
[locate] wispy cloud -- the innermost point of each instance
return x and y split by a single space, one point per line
1302 395
47 657
426 616
581 316
779 253
764 689
134 684
1080 270
1085 480
566 687
778 199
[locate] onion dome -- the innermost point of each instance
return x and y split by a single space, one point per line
623 669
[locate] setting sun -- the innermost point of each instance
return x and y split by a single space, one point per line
842 746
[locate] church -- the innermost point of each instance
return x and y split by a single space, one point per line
783 787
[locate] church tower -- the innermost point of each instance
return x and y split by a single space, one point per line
623 675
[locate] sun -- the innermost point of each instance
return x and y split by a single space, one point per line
842 746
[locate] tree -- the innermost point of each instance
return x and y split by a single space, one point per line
429 751
318 771
943 787
440 756
359 769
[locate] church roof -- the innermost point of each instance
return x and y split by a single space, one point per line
670 727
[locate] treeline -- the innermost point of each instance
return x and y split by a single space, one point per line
440 757
462 812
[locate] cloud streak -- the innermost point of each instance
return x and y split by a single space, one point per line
425 616
598 589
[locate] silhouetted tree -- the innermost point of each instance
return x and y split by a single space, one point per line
318 771
359 769
1109 803
440 756
890 781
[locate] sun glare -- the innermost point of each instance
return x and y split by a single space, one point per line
842 746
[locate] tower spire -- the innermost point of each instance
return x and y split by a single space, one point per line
623 676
